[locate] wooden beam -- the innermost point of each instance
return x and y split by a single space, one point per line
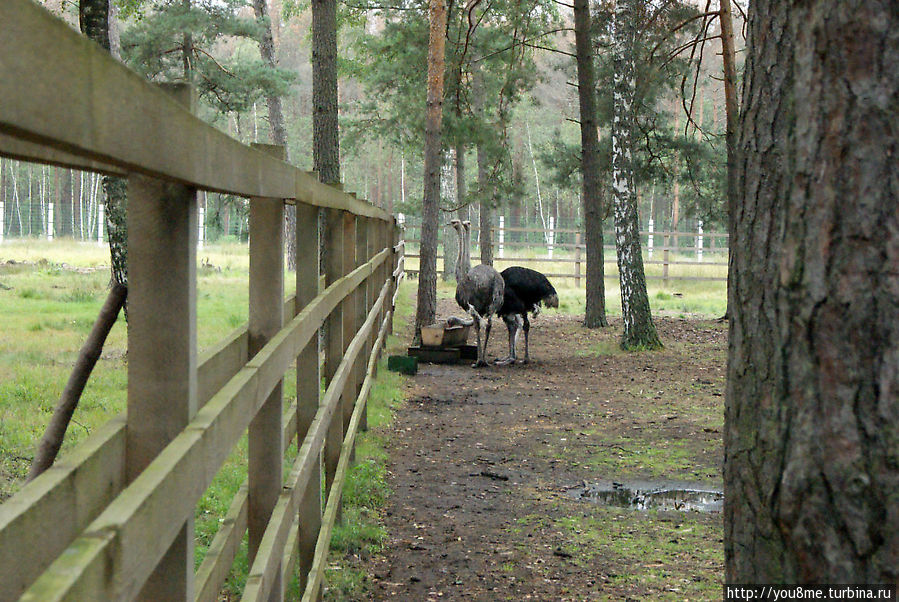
162 351
309 513
265 320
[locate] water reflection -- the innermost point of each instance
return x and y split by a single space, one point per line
643 497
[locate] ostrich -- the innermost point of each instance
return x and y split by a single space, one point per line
525 290
479 291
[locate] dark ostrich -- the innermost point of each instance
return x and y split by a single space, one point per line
525 291
479 291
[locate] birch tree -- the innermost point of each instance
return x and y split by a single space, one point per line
639 330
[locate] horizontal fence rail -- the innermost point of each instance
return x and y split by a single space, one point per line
574 254
113 519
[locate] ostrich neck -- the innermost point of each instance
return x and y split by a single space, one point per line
466 239
461 267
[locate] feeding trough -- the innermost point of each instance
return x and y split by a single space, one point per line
445 342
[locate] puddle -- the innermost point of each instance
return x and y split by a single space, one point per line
680 497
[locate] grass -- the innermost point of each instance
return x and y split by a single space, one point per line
50 296
361 533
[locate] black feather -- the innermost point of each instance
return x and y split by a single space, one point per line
525 290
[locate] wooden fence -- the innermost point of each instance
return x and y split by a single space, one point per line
113 519
574 253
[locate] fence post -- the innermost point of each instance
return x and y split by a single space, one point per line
348 309
502 234
665 265
162 343
265 471
308 383
394 230
101 221
201 227
363 294
378 242
333 250
651 239
577 260
50 224
552 234
699 240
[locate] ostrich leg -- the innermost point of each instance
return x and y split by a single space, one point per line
478 324
527 328
512 325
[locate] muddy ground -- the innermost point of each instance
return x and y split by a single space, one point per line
486 465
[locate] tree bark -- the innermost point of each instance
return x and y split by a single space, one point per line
732 114
427 275
590 169
278 132
485 214
812 408
639 330
93 17
53 437
448 182
325 138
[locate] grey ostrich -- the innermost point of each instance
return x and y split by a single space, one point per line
479 291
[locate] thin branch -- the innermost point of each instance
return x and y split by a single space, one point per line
524 42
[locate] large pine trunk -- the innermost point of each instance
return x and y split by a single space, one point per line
325 141
812 411
639 331
427 275
590 168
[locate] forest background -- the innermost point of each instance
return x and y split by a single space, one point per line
534 158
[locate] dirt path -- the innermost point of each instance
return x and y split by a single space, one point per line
484 466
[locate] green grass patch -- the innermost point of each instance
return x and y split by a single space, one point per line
638 549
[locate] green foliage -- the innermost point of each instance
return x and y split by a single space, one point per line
488 69
172 41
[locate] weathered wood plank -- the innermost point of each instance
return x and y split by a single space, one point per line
265 464
220 363
308 281
84 481
221 553
77 487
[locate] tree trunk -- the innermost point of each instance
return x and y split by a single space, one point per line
592 182
812 410
94 20
278 133
732 110
450 195
427 275
53 437
485 215
639 331
325 140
